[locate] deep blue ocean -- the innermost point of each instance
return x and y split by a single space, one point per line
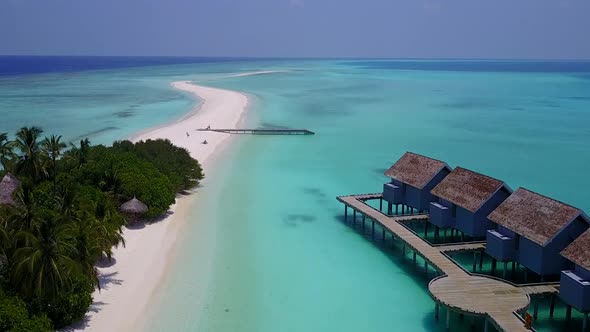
282 259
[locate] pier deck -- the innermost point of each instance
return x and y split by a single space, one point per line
496 300
462 247
261 131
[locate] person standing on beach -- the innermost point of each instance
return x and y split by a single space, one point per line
187 134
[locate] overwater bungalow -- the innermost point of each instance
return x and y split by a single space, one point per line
532 230
464 199
412 178
575 283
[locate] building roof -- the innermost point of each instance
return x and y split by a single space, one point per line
134 206
467 189
415 170
579 251
533 216
8 186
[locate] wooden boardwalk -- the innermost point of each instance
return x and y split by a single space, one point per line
496 300
544 289
261 131
461 247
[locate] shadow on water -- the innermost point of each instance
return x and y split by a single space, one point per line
317 192
392 249
292 220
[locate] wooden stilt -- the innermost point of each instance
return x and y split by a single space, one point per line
383 234
480 261
353 216
493 266
426 230
445 235
448 319
436 233
513 270
461 316
425 266
536 310
526 275
380 204
392 241
436 309
363 226
485 325
414 258
585 322
345 213
552 307
404 250
504 270
396 208
389 208
568 313
474 262
373 228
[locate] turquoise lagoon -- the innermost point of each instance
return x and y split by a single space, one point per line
282 259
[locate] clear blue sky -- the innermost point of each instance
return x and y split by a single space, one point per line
298 28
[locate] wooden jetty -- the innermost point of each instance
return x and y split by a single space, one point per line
261 131
498 301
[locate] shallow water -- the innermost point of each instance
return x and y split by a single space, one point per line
283 260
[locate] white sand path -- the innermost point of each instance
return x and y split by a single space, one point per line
130 282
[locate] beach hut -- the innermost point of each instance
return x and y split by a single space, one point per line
8 186
134 208
412 178
464 199
575 283
532 230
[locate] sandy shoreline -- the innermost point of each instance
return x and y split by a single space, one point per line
129 283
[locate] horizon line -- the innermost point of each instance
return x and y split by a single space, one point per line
292 58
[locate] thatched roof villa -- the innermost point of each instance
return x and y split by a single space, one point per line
533 229
412 178
464 199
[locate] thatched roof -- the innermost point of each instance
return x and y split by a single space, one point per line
533 216
467 189
134 206
8 186
415 170
579 251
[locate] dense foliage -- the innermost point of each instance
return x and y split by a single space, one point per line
65 217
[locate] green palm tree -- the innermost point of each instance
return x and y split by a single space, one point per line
6 151
87 242
42 266
5 242
52 147
30 162
23 215
80 154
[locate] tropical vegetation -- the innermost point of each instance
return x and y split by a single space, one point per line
64 217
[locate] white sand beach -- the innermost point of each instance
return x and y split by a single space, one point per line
129 283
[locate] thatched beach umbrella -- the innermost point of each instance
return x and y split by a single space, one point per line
8 186
134 208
